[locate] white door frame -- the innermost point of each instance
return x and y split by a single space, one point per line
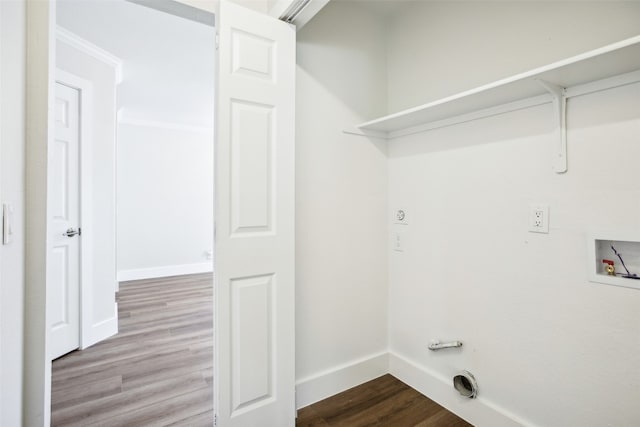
40 100
1 201
85 90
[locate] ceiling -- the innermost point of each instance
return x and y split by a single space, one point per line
168 61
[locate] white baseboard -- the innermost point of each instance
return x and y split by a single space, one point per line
340 378
436 387
101 330
164 271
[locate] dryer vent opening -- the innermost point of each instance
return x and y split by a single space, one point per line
466 384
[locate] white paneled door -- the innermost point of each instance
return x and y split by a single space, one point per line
64 221
254 257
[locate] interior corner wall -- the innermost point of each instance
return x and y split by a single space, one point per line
436 49
547 347
103 169
341 196
12 190
168 231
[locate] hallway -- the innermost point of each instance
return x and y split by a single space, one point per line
157 371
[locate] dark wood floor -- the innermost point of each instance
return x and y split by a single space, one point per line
385 401
157 371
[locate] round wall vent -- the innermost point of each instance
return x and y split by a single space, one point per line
466 384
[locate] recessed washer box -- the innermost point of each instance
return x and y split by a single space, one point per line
600 252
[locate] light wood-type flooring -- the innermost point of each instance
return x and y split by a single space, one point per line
157 371
385 401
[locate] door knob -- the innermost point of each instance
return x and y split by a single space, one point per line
71 232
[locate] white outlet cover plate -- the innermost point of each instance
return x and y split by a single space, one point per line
539 218
398 240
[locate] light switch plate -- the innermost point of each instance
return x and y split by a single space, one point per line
398 241
7 223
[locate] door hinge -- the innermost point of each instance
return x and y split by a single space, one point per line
217 41
215 420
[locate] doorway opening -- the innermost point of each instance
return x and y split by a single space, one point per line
146 156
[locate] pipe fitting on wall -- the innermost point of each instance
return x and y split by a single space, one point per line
465 383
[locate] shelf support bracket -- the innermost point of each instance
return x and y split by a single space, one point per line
559 95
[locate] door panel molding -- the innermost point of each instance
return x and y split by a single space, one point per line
254 382
63 252
253 306
90 333
252 168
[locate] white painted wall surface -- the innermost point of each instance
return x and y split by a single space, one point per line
168 61
341 194
548 348
103 174
442 48
542 341
210 5
12 189
168 88
165 198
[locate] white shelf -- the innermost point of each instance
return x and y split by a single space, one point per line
519 91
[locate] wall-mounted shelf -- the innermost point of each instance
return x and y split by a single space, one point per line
610 66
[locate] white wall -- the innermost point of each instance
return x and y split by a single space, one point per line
543 342
548 348
165 200
169 62
12 189
103 234
341 267
210 5
168 83
442 48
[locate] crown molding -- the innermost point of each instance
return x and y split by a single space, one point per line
65 36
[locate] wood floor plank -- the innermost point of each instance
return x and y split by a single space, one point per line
71 395
355 401
309 417
157 371
385 401
201 420
165 412
105 408
443 418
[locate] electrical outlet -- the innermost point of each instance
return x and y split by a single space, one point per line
539 218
